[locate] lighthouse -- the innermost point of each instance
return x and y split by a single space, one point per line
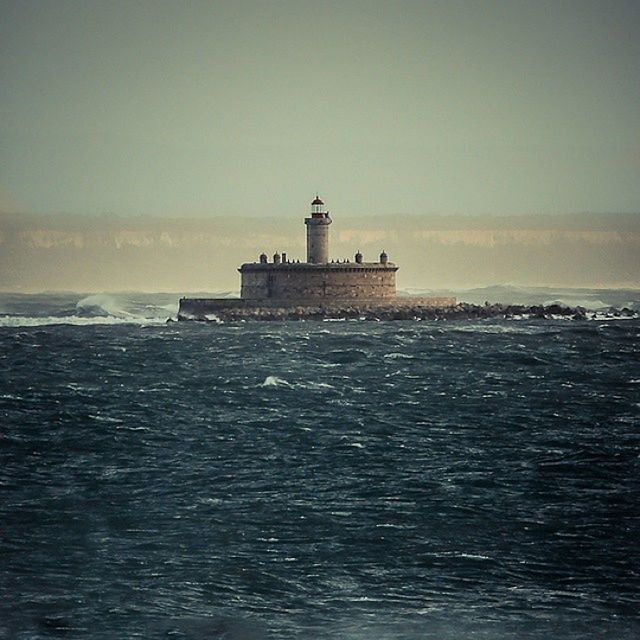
318 233
317 278
284 286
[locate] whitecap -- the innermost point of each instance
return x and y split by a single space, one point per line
585 303
79 321
274 381
609 317
101 305
397 356
501 328
315 385
473 556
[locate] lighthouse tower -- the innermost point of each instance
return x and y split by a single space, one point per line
318 233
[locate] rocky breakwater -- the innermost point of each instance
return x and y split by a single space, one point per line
403 309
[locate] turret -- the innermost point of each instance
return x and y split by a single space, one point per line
358 257
318 233
384 258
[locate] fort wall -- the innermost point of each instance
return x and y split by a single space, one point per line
305 281
316 288
209 308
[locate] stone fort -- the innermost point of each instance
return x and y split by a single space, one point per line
319 287
318 278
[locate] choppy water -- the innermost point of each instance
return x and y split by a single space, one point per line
342 480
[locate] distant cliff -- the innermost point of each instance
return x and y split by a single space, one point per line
108 253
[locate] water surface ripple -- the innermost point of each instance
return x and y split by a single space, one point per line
321 480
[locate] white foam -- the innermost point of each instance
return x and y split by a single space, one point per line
273 381
395 355
585 303
497 328
30 321
96 309
609 317
101 305
316 385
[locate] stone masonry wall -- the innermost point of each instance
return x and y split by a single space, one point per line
348 282
206 308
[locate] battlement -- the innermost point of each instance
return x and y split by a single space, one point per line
317 278
298 281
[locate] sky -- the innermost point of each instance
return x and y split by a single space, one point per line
249 108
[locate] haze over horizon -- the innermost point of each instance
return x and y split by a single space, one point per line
204 129
144 253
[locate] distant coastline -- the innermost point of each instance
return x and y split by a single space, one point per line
115 254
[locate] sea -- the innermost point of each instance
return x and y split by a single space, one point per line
346 480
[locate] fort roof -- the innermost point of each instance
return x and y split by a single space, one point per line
328 266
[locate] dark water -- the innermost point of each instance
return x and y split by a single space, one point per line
320 480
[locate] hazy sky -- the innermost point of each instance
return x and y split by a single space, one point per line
205 108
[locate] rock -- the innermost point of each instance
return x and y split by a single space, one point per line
390 311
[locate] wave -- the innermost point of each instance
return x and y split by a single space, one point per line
101 305
274 381
585 303
396 355
589 298
605 315
41 321
96 309
499 328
